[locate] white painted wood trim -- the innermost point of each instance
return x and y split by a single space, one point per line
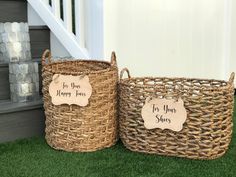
33 18
46 1
55 25
67 13
227 39
94 25
56 8
80 21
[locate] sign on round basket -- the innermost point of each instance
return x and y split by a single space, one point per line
85 91
68 89
164 114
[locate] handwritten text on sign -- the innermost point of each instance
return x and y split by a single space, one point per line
164 114
68 89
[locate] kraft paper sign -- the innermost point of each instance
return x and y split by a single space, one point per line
68 89
164 114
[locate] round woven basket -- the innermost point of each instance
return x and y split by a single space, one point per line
82 129
206 134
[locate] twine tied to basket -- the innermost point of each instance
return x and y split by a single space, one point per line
123 71
231 79
113 59
46 55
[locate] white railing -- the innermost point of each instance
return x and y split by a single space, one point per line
59 18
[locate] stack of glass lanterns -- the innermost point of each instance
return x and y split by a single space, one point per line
23 72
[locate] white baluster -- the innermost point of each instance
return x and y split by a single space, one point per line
56 8
67 13
80 21
46 1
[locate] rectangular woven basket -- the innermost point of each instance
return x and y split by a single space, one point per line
207 131
76 128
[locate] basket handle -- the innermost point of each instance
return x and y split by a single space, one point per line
113 59
46 55
231 79
123 71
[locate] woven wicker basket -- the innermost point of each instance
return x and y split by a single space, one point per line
82 129
206 134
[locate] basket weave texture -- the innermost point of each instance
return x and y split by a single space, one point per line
82 129
206 134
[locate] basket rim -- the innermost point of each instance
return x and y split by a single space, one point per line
126 82
109 68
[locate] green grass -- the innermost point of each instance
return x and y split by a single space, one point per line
34 158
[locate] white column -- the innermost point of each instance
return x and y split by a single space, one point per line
56 8
46 1
67 13
79 21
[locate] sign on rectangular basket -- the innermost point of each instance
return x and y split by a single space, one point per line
68 89
164 114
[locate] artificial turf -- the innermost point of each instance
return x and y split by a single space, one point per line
34 158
